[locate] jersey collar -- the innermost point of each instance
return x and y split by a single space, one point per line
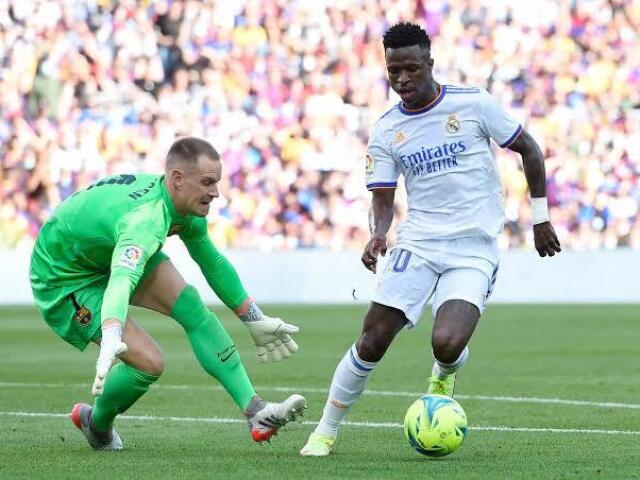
436 101
175 216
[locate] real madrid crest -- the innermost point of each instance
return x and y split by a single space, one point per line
453 124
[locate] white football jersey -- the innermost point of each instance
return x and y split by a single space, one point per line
442 150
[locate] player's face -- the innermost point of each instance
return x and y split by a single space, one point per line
410 74
197 186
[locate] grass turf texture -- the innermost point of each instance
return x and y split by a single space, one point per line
569 352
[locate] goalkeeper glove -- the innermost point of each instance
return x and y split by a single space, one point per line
271 336
111 346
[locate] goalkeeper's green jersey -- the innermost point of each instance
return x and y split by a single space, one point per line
108 232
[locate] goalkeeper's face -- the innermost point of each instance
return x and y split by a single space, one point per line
196 185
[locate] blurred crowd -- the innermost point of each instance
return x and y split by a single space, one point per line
287 90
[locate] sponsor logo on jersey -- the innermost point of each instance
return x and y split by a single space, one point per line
399 138
452 125
368 164
433 159
130 257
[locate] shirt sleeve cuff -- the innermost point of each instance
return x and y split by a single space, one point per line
373 186
512 138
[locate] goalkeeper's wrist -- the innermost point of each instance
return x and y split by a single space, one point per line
251 313
539 210
112 332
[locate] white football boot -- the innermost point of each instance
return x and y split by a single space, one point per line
266 422
81 418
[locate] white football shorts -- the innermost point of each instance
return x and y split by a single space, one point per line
460 269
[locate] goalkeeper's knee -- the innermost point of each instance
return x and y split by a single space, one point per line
152 363
189 309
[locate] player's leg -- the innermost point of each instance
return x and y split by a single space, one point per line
75 316
126 382
381 324
404 290
452 330
164 290
459 300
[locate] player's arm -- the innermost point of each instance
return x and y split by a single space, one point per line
497 124
271 336
381 176
546 241
380 218
137 240
219 273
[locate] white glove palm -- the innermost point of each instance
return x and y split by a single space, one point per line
273 339
111 346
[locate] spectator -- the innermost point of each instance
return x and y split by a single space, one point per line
287 91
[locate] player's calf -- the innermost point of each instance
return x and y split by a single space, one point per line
454 325
447 346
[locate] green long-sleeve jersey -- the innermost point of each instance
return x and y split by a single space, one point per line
110 230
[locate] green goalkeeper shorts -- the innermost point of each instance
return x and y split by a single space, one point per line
75 316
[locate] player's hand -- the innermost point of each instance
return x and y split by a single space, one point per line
545 239
377 245
273 339
111 346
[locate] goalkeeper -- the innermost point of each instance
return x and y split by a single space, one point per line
101 252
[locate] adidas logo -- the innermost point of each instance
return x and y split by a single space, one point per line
400 137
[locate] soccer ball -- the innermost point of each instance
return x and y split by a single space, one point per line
435 425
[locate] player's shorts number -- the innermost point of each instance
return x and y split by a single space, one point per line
402 261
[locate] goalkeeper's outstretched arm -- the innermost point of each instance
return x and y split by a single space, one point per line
271 336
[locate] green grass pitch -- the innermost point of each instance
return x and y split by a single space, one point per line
560 385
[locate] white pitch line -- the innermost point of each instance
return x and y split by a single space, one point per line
556 430
222 420
557 401
379 393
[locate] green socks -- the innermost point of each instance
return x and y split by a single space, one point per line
212 345
123 386
214 350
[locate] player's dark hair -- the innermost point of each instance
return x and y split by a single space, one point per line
188 149
405 34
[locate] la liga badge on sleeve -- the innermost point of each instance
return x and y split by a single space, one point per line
369 164
130 257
